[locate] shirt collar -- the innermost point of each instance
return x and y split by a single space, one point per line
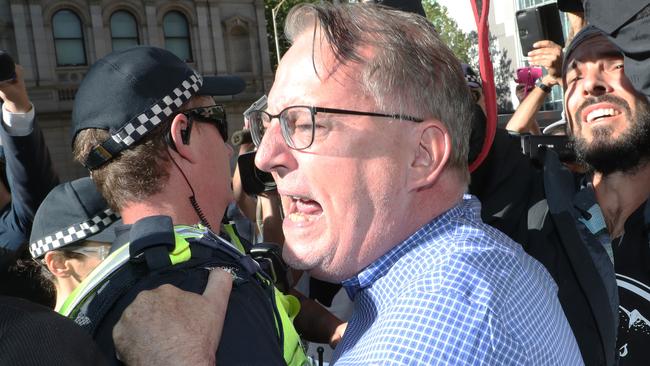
383 264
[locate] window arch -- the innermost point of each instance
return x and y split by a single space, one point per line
68 38
124 30
177 35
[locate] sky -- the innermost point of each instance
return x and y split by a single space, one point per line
461 12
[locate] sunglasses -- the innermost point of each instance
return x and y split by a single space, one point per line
214 115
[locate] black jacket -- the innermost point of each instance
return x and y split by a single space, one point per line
533 203
31 177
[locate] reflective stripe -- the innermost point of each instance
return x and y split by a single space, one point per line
181 252
234 238
115 260
95 278
288 308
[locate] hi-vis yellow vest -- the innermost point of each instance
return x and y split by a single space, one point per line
288 306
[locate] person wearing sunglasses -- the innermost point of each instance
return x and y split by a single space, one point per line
146 126
72 233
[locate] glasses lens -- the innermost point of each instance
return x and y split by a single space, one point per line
257 121
298 127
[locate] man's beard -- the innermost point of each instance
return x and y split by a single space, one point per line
625 154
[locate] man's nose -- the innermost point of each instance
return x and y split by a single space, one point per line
273 153
595 82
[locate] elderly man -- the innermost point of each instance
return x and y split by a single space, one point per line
366 137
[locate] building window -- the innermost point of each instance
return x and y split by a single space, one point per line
240 49
177 35
124 30
68 38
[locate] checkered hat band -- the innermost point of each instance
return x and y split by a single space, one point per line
147 121
73 233
473 79
139 126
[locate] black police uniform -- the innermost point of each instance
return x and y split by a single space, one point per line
252 330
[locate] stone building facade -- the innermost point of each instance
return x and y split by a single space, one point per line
57 40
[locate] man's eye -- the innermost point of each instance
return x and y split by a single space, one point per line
573 79
303 125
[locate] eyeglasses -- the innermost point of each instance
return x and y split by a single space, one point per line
100 252
298 123
214 115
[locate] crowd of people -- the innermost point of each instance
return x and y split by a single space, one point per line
368 132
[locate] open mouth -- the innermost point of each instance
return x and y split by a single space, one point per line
600 114
301 210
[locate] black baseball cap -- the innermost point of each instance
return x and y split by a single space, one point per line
71 213
131 92
584 34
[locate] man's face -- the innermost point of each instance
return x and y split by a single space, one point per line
609 120
214 166
343 197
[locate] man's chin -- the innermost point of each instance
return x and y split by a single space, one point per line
609 157
305 262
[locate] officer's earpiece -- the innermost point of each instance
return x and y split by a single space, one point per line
185 136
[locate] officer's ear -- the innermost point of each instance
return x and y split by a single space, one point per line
58 264
179 137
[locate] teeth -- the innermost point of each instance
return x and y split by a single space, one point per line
297 217
601 113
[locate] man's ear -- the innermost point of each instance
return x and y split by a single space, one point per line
180 133
431 153
58 264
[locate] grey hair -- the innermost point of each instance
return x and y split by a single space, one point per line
412 70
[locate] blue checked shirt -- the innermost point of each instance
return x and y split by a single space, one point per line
457 292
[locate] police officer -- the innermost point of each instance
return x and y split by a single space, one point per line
146 126
71 235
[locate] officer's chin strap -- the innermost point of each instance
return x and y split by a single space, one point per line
192 198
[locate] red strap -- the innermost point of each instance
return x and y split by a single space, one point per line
487 76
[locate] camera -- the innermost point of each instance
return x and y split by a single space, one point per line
253 180
532 145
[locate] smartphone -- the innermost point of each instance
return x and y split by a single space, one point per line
7 68
540 23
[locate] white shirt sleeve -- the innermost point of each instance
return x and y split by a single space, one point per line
18 124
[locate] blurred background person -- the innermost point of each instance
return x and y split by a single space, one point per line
532 92
26 176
